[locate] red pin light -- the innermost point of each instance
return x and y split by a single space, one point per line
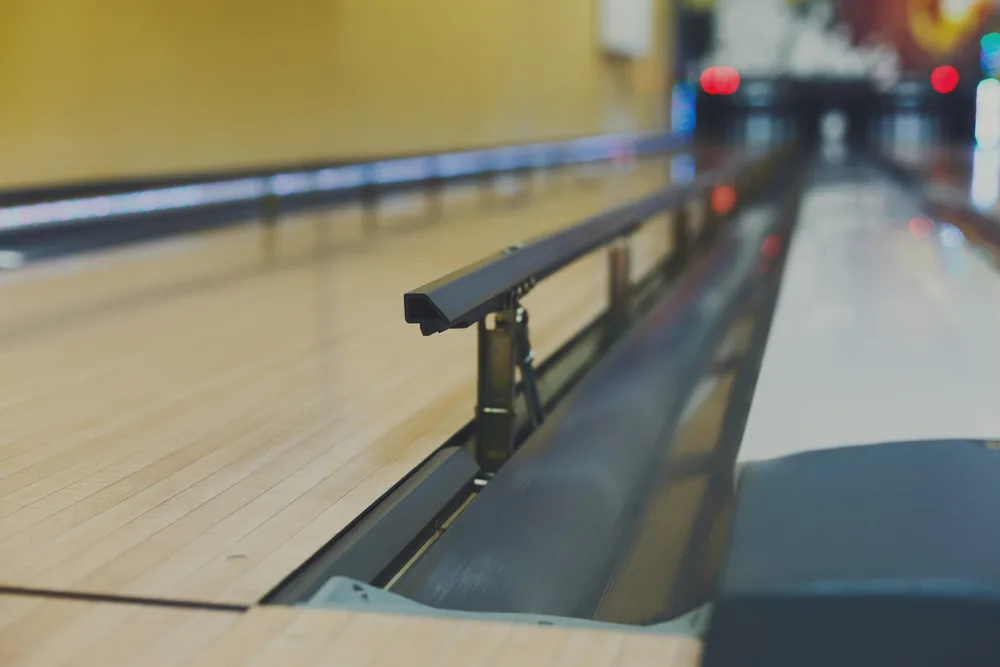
708 82
720 80
944 79
920 227
723 199
771 247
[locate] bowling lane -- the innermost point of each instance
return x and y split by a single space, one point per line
188 420
884 329
59 633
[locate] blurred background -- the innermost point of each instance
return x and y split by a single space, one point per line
212 213
96 90
899 71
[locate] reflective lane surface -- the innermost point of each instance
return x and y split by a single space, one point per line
885 329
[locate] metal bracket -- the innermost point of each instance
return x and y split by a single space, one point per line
525 363
502 349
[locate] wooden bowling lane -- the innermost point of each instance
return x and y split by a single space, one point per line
44 632
187 420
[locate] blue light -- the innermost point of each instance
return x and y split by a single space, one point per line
683 111
989 57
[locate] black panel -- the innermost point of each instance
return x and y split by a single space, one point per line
878 555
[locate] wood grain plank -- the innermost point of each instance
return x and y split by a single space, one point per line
47 632
189 420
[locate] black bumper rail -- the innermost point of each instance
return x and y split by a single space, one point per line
613 509
52 221
464 297
492 288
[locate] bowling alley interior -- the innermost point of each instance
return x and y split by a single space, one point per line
512 333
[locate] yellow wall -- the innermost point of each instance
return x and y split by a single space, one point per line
95 89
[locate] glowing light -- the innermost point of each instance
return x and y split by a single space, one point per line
683 116
920 227
708 82
723 199
989 57
956 11
771 247
985 190
951 236
720 80
944 79
988 113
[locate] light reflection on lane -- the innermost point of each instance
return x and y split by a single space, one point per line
884 318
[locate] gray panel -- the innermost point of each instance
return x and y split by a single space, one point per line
877 555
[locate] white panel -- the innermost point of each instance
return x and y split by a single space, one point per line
625 27
988 113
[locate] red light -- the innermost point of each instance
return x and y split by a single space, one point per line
708 82
944 79
920 227
720 80
723 199
771 247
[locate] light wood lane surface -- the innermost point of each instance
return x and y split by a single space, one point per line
39 632
182 420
